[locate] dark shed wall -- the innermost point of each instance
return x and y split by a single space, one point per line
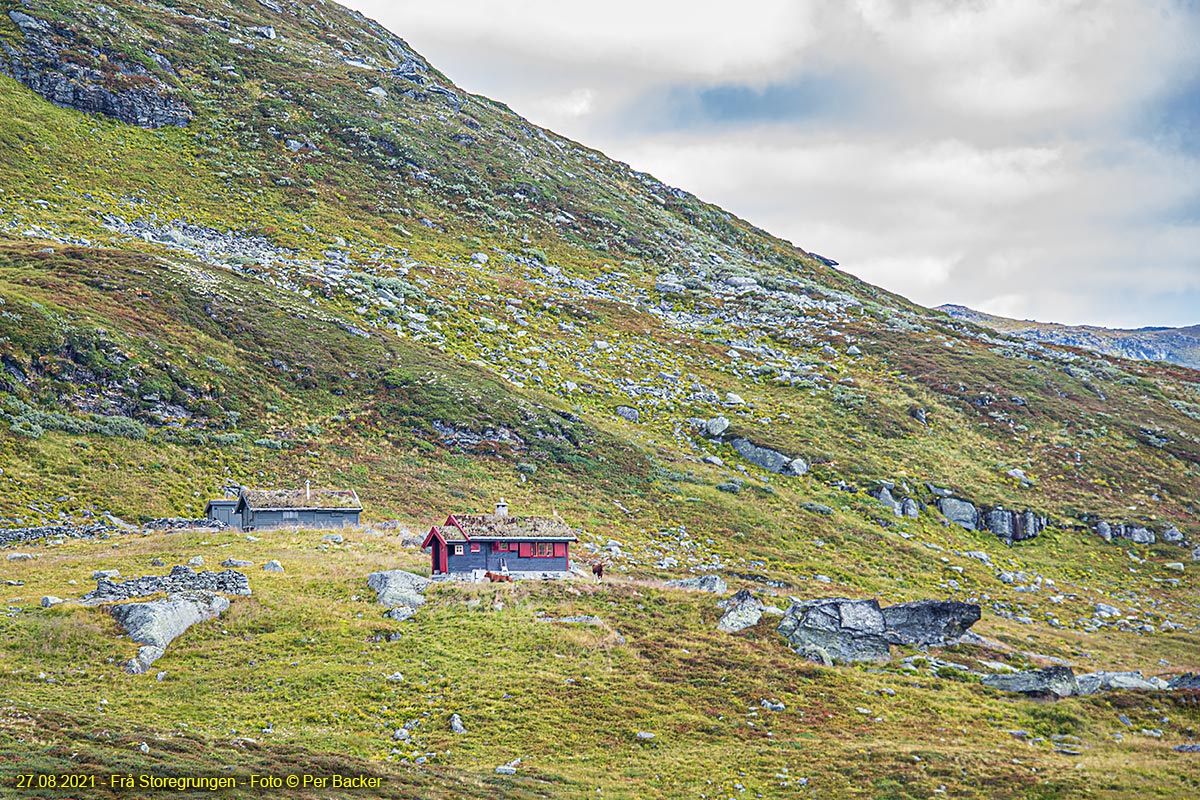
485 559
322 518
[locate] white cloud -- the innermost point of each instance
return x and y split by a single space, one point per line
987 154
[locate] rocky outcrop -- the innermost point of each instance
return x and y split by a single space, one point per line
769 459
1137 534
157 623
1013 526
742 611
181 579
1051 682
397 588
49 63
900 506
839 630
1008 526
704 583
928 622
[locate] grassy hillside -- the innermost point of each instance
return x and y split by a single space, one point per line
415 293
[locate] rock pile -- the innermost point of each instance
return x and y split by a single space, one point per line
831 630
181 579
15 535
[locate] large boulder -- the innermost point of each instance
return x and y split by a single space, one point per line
1094 682
836 630
767 458
398 588
959 512
704 583
156 623
742 611
928 622
1051 682
1187 680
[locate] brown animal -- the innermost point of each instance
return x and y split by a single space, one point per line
598 570
496 577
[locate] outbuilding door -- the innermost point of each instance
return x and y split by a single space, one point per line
439 557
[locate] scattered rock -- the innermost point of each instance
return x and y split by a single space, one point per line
456 724
236 563
106 574
772 705
155 624
704 583
272 566
333 538
1175 565
628 413
49 601
1051 682
197 561
645 735
20 557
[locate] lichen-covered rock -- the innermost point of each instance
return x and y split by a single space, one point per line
1048 682
836 630
398 588
959 512
1094 682
157 623
704 583
742 611
929 622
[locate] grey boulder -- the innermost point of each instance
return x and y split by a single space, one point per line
398 588
155 624
929 622
742 611
1094 682
704 583
959 512
836 630
1051 682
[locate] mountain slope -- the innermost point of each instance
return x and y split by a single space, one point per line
1176 345
266 242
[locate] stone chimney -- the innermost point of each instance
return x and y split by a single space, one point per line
502 508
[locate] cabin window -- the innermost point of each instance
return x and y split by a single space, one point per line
458 549
499 547
543 550
474 548
291 515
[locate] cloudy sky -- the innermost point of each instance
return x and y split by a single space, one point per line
1032 158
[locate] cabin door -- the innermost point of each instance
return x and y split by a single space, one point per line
439 557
